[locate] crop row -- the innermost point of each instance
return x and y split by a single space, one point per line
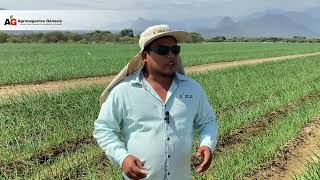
312 170
241 96
35 63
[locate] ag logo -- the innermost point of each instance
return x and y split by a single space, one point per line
12 21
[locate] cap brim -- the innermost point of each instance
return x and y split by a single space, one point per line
178 35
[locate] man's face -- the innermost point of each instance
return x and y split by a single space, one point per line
165 65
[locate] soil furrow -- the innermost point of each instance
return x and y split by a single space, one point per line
50 86
293 158
242 134
237 137
46 156
50 154
100 164
241 106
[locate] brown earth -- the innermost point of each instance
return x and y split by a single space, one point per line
222 65
52 153
63 84
100 165
242 106
251 129
293 158
47 156
234 139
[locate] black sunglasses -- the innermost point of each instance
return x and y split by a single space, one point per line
164 50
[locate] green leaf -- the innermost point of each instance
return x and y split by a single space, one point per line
11 16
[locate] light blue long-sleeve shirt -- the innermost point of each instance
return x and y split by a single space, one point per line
135 121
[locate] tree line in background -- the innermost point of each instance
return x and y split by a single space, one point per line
127 36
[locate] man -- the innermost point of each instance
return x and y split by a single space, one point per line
153 107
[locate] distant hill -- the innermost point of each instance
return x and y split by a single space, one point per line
276 25
141 24
272 22
269 23
305 19
193 24
313 12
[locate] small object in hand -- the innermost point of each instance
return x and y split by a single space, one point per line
195 161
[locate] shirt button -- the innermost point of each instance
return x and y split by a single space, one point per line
168 139
168 173
169 156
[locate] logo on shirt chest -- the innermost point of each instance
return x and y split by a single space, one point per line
185 96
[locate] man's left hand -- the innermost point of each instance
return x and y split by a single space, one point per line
206 154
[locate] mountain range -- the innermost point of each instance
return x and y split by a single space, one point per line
270 23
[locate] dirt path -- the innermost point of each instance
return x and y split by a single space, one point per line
291 161
63 84
222 65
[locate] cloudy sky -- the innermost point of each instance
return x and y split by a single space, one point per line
185 7
125 10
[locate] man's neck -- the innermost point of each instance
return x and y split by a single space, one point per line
163 81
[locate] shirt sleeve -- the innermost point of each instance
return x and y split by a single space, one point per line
107 130
206 122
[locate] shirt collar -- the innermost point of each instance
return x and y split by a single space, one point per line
138 76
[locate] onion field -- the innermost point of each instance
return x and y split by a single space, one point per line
261 109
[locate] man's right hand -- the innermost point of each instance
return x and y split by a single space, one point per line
133 168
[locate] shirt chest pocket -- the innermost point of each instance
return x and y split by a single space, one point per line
143 111
183 113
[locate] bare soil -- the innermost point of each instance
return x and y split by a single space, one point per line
280 167
234 139
242 106
63 84
51 153
293 158
251 129
47 156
